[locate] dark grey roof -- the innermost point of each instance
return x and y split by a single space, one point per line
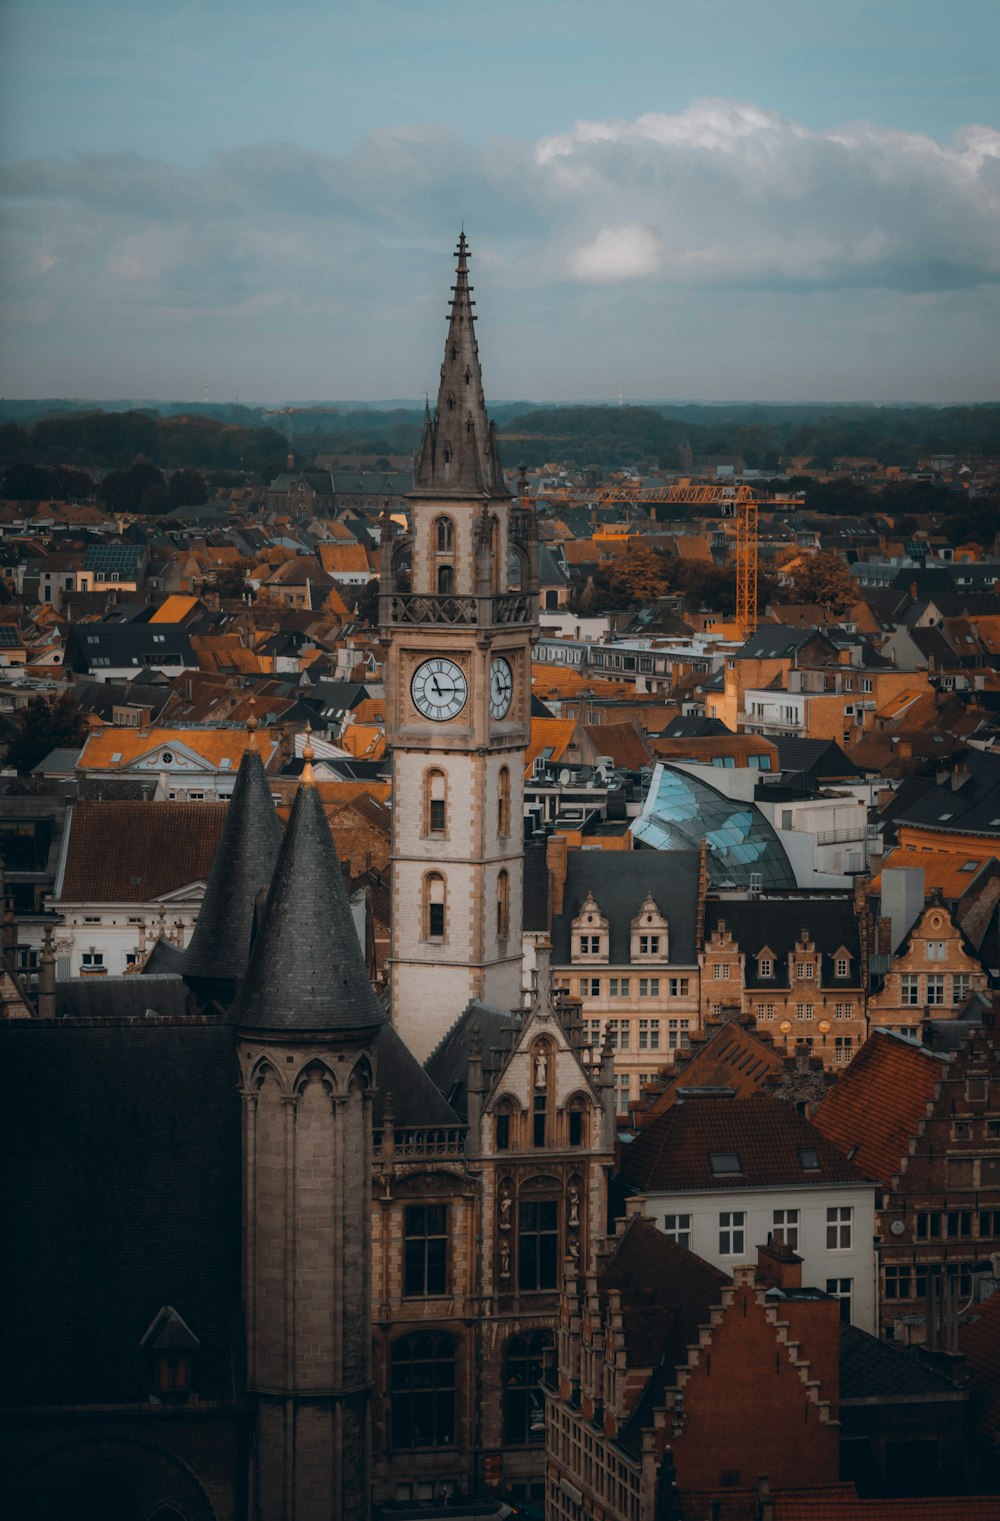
817 757
306 969
165 957
117 559
692 727
91 646
121 997
448 1064
415 1098
619 881
774 640
121 1198
973 806
775 922
244 864
870 1368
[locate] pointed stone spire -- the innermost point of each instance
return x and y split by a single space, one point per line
306 969
244 863
459 454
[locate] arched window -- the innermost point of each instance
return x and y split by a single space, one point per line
503 905
503 1123
434 906
444 535
523 1400
503 802
576 1118
515 571
422 1384
445 580
435 802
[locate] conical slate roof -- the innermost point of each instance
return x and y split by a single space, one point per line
244 863
306 969
458 453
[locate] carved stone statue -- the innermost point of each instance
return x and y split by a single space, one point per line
541 1069
505 1207
504 1258
573 1217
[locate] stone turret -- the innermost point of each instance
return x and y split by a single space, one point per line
305 1020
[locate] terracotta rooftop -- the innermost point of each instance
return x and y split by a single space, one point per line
731 1143
134 852
878 1102
119 746
624 742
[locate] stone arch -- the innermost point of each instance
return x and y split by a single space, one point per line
315 1067
148 1477
260 1070
362 1078
517 568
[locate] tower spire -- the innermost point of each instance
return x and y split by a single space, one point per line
458 452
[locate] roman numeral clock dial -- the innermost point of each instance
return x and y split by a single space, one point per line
439 690
501 688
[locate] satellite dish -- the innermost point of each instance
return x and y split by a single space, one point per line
565 777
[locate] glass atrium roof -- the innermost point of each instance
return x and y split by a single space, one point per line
681 810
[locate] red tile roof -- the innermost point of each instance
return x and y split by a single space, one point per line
768 1136
128 852
878 1102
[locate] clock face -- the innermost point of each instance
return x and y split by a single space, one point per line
501 687
439 689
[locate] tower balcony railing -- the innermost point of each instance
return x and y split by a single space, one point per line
415 608
420 1141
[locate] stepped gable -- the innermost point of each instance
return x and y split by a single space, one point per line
877 1104
306 968
244 863
458 454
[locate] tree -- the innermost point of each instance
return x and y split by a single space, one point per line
46 724
123 490
155 500
230 583
640 574
187 489
824 579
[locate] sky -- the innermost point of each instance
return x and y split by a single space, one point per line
666 199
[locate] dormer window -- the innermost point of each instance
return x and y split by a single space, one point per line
724 1162
591 934
171 1346
590 945
649 945
765 966
649 933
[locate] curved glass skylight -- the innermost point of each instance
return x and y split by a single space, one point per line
681 810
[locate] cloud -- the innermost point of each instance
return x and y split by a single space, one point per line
617 253
261 243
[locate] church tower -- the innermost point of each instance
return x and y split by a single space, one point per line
305 1022
459 616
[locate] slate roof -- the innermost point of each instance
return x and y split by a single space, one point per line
90 646
416 1100
448 1064
243 866
119 1203
672 1153
775 922
870 1368
879 1100
775 641
121 997
974 807
819 758
620 881
128 852
306 970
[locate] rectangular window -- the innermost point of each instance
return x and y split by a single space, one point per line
435 921
959 987
678 1228
537 1244
92 959
649 945
805 971
841 967
909 989
678 986
842 1289
935 988
961 1172
732 1233
649 987
928 1224
843 1049
677 1033
426 1249
618 987
624 1092
899 1282
989 1223
959 1223
765 1011
785 1227
839 1228
590 945
843 1011
590 987
720 972
765 967
935 950
804 1011
437 815
649 1035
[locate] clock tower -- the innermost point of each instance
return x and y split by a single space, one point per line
458 609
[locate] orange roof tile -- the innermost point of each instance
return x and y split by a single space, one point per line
129 852
624 742
364 741
941 868
114 748
878 1102
174 609
552 734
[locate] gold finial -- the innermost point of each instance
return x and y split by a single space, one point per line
253 723
308 755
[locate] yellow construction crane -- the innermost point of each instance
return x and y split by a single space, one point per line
737 502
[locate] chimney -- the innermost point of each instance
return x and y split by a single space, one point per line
555 860
779 1266
47 977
